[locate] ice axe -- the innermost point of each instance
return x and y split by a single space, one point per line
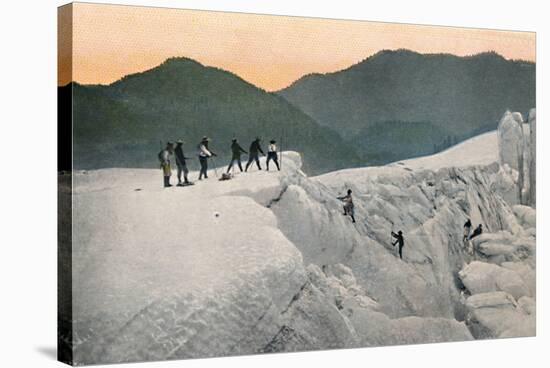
215 168
281 153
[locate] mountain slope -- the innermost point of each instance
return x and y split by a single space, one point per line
384 142
463 95
120 125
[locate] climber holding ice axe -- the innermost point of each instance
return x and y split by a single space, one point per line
204 154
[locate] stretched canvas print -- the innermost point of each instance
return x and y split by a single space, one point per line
241 184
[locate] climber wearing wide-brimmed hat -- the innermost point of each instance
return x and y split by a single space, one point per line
204 154
272 154
164 158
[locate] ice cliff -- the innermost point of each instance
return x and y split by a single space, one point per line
517 151
266 262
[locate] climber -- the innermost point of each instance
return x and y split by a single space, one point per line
467 228
477 231
164 158
254 153
181 164
204 154
236 151
399 240
272 154
348 205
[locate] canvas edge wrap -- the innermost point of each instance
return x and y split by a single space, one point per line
64 179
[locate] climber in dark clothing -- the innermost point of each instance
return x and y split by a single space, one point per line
181 163
236 151
467 229
399 240
254 153
477 231
349 208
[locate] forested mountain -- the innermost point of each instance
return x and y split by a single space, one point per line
393 105
462 96
122 124
391 141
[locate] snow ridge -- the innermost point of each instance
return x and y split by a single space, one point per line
266 262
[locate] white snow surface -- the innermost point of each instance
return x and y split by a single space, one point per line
479 150
267 262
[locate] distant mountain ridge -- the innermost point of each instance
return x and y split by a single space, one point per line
391 106
460 95
123 124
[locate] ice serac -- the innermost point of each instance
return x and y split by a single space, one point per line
430 208
526 216
517 153
511 141
372 326
267 262
498 314
500 285
532 200
429 200
482 277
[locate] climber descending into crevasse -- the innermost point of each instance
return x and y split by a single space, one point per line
467 229
478 230
399 240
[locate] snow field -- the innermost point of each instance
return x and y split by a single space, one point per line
266 262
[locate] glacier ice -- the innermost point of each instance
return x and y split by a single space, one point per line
526 215
497 314
157 275
510 138
517 151
482 277
532 165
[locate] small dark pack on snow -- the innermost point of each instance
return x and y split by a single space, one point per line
225 176
185 184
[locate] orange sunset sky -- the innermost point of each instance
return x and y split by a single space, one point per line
110 41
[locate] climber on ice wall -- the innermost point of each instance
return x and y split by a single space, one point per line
399 240
349 208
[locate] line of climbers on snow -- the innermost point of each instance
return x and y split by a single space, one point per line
204 153
349 210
